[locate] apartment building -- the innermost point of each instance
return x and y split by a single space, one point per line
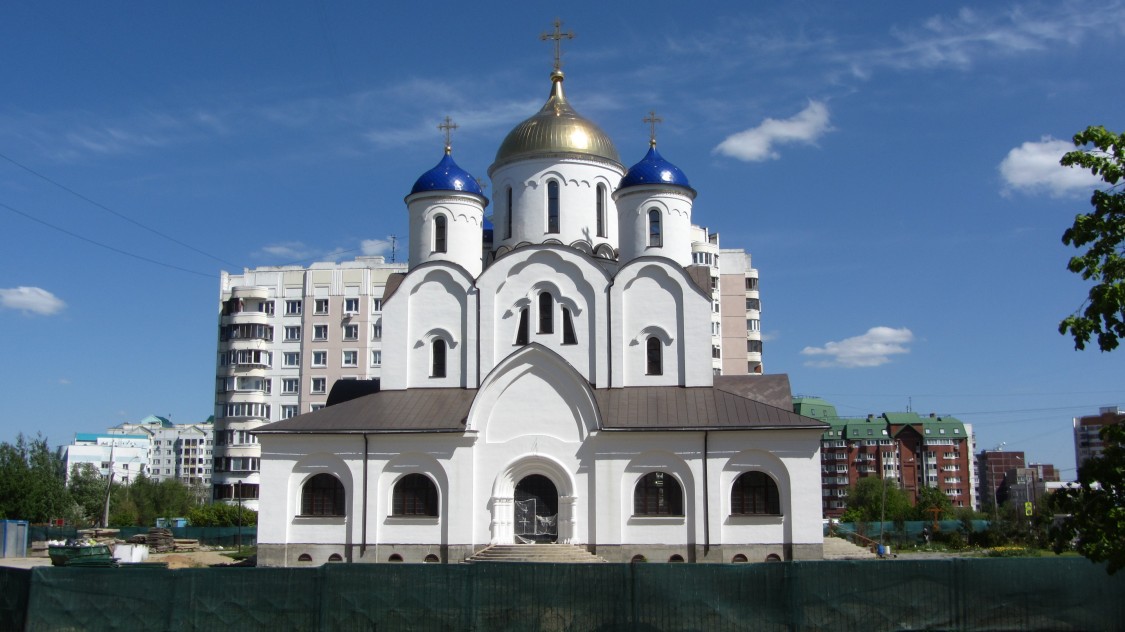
736 331
286 335
1087 432
177 451
913 450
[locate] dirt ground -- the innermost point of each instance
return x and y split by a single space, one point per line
194 559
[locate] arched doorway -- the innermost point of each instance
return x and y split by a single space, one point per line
536 510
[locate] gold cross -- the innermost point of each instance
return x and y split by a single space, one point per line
557 36
652 119
448 126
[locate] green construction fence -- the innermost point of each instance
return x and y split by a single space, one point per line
951 594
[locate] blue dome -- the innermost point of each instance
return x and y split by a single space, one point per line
447 176
654 169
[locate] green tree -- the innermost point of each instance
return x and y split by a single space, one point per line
1102 233
871 498
87 490
144 500
32 482
1095 509
930 498
221 515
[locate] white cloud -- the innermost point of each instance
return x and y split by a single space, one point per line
31 300
1034 167
956 41
873 348
372 247
287 250
757 143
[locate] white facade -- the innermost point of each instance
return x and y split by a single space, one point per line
563 393
125 456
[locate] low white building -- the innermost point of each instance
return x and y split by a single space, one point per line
125 455
557 385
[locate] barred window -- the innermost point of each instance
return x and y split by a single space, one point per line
415 495
658 494
755 493
322 495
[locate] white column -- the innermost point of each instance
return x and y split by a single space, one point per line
566 519
502 518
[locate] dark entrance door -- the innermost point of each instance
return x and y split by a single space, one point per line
536 510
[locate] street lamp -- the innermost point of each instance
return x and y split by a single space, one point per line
238 488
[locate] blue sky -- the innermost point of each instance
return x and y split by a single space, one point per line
891 166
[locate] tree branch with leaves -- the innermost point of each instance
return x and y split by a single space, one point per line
1102 233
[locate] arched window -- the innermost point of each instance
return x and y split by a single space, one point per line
658 494
755 493
322 495
414 495
508 225
655 238
439 233
546 313
601 210
523 329
304 557
335 557
569 338
654 364
437 368
552 206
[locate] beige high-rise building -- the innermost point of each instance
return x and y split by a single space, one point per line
286 335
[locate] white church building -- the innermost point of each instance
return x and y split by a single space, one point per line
554 385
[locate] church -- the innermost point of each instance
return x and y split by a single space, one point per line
554 385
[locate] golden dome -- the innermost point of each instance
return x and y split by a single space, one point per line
556 129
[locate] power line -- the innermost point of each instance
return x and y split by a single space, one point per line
119 215
106 246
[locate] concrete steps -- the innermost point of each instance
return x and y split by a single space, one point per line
540 553
840 549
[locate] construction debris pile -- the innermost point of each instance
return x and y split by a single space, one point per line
160 540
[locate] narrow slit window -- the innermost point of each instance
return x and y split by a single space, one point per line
439 233
601 210
655 238
546 313
522 329
438 368
552 206
568 328
653 361
508 225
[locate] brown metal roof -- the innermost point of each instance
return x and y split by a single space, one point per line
414 410
771 388
696 408
635 408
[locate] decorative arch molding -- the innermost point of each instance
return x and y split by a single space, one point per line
583 246
550 383
445 273
645 267
605 251
313 464
501 503
579 266
413 463
437 333
653 331
756 460
552 242
457 215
